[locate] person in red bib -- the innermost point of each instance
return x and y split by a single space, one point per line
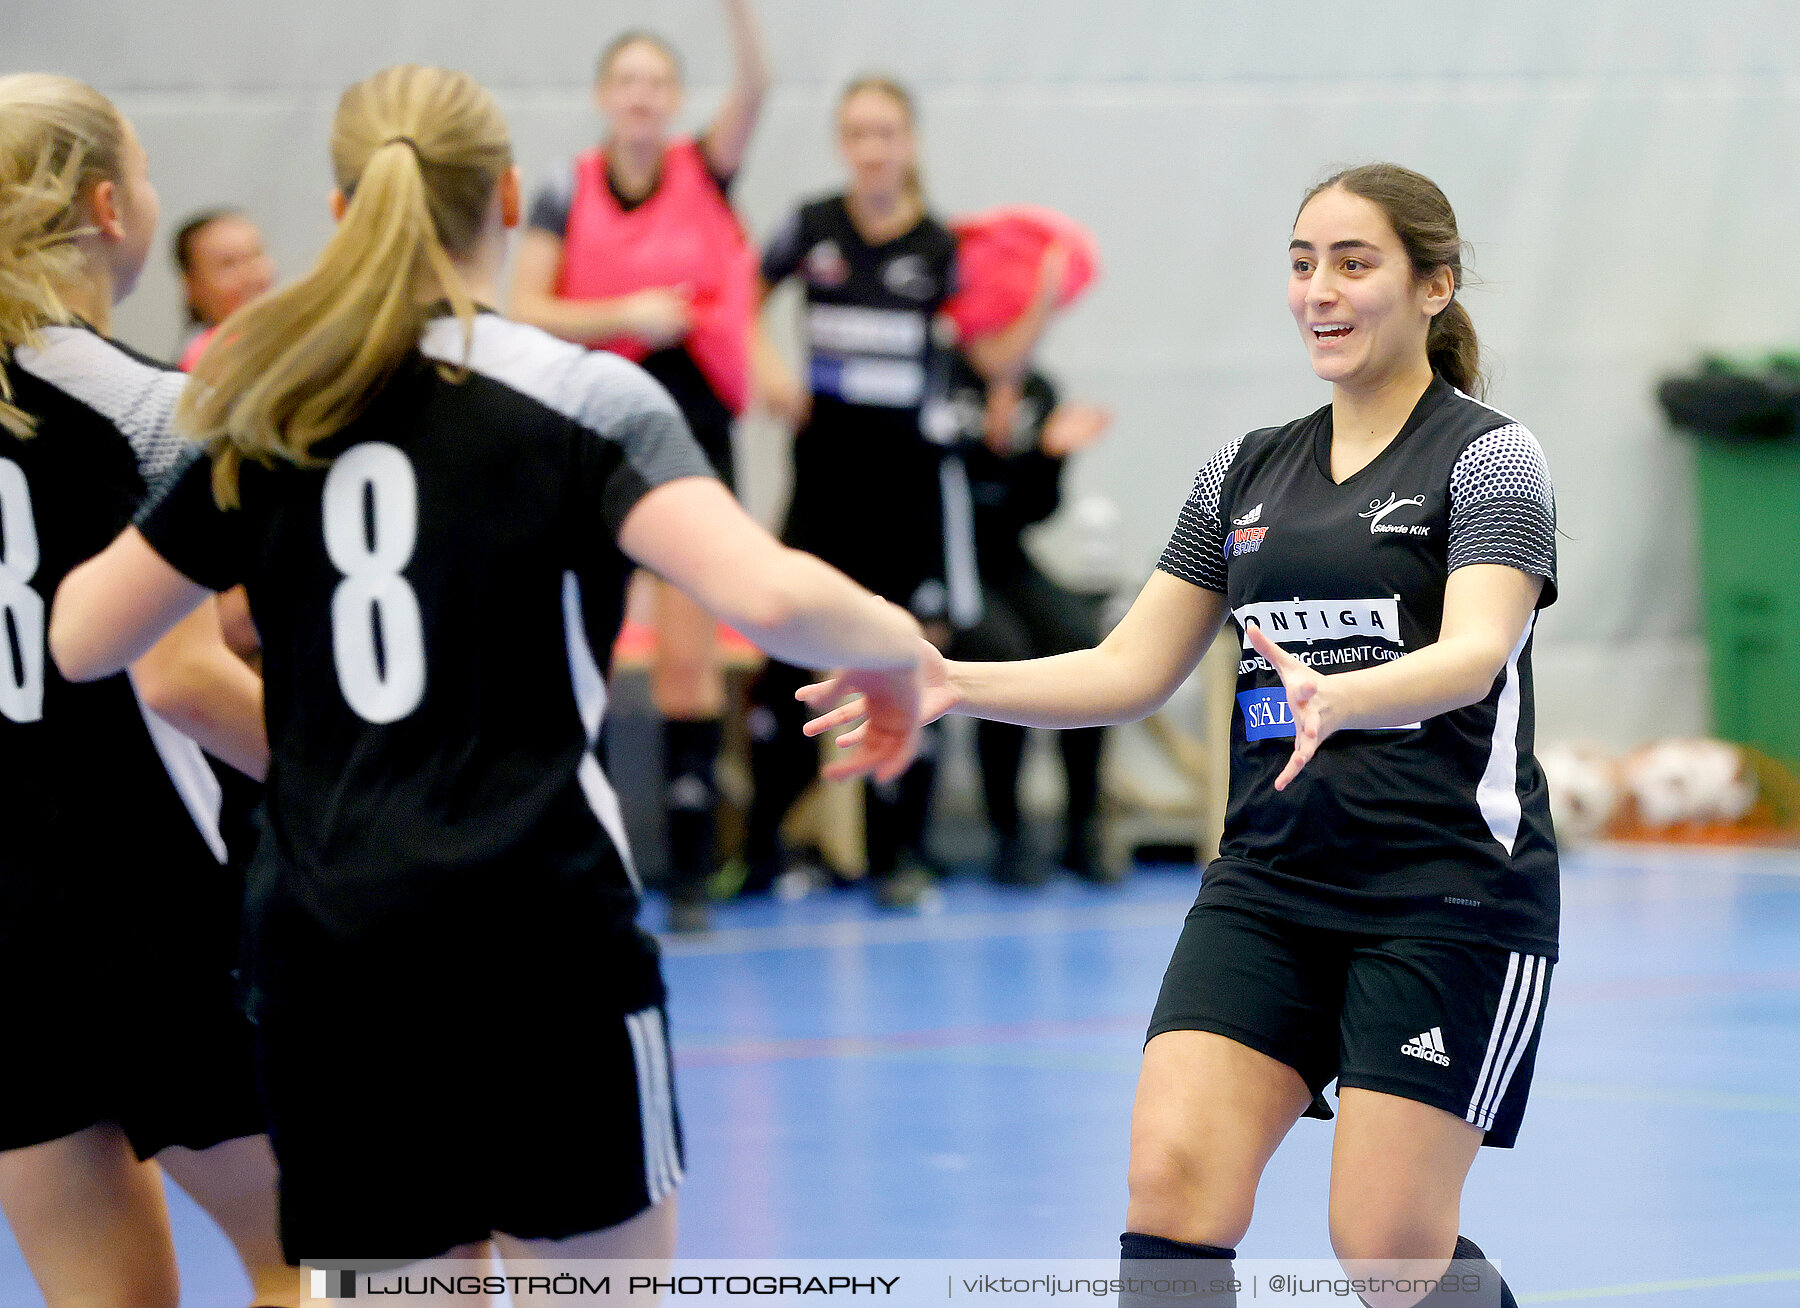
634 248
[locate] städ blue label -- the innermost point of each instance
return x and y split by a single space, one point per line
1266 713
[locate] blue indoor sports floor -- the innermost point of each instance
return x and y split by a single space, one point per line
959 1085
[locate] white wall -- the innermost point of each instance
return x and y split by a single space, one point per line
1626 172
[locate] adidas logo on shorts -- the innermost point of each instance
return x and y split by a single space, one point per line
1429 1046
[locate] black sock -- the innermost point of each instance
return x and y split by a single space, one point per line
1000 747
1471 1262
783 762
881 827
1148 1280
918 785
1476 1282
691 801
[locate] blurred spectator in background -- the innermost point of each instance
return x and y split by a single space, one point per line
1015 438
875 269
634 248
220 255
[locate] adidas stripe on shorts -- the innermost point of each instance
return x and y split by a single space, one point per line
1454 1024
445 1081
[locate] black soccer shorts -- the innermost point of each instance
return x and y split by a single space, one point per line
1447 1023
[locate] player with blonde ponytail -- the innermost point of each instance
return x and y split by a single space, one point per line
435 512
300 363
117 920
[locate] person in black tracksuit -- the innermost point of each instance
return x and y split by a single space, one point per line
876 269
1015 481
437 570
1384 907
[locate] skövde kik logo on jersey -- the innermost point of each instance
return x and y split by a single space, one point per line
1380 509
908 275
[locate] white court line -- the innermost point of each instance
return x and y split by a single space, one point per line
1729 860
1054 920
1663 1287
1169 913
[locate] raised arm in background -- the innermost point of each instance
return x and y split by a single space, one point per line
728 135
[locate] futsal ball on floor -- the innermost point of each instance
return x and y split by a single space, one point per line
1585 789
1689 781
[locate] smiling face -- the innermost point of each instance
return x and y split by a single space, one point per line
875 136
1361 310
227 267
639 93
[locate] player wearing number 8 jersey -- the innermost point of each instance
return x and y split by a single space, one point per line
1384 909
435 511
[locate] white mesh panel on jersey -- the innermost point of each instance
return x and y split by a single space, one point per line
1194 552
1502 504
136 397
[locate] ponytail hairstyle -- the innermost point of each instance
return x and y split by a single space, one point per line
883 84
58 139
1426 225
416 152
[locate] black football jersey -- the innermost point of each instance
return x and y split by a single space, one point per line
1440 827
869 309
437 606
87 773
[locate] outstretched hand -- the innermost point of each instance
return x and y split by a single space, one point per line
874 714
1314 717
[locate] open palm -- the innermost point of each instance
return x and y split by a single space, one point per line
1302 685
859 700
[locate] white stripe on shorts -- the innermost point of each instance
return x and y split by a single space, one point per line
662 1161
1515 1018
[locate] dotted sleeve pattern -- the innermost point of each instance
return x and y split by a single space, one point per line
1502 505
138 398
1196 552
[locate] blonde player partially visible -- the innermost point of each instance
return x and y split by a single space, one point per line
117 920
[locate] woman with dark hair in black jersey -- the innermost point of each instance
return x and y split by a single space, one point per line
1384 908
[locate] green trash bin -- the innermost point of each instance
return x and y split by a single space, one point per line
1750 581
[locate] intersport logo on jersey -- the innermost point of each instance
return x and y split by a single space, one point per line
1297 622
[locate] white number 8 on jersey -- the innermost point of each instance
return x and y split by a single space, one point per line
371 503
21 607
